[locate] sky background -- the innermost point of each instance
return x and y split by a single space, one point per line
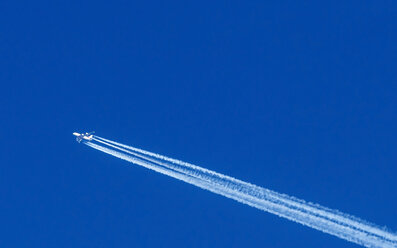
298 97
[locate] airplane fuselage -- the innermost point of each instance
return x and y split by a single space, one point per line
83 136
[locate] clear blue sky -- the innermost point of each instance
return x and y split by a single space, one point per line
296 97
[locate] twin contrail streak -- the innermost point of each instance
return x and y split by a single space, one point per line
326 220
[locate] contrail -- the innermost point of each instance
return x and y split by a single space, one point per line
326 220
341 217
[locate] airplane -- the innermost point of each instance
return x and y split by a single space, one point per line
83 136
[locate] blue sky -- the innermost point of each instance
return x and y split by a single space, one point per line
296 97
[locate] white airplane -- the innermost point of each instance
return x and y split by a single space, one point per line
83 136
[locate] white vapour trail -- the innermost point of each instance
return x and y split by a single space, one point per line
296 210
330 214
